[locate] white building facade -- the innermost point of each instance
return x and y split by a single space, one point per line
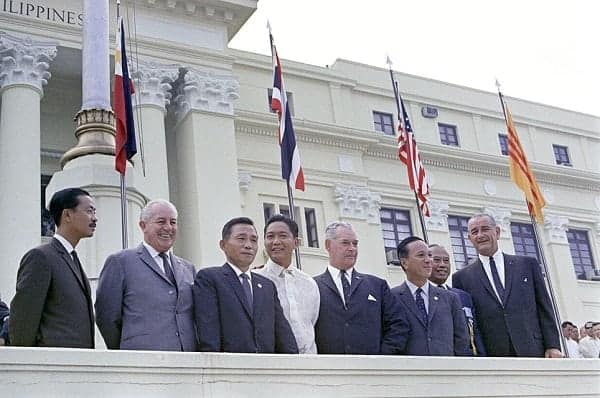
209 143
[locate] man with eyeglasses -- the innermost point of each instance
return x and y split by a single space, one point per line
357 314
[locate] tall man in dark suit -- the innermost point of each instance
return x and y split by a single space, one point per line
144 297
357 314
440 271
511 302
236 310
438 325
52 306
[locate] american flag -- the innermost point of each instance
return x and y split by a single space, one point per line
125 146
291 168
409 155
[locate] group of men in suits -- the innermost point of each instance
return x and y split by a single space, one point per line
149 299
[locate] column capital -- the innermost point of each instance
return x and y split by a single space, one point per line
438 220
207 91
358 203
556 227
153 83
25 61
501 215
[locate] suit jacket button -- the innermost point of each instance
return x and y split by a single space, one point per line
176 333
171 292
347 324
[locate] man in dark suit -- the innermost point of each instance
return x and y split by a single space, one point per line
511 302
438 325
357 314
236 310
440 271
52 306
4 313
144 297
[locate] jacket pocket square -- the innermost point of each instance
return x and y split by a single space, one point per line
371 298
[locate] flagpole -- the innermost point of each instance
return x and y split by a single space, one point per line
534 223
397 97
287 182
122 178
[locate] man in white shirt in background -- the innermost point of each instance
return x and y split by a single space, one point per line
297 291
589 346
568 329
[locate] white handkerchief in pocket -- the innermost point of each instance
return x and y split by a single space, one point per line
371 298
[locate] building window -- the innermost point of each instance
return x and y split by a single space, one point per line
47 221
581 254
306 218
462 249
448 134
312 239
503 141
290 101
524 240
384 122
395 225
561 155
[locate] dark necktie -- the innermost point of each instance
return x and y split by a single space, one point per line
496 278
442 286
78 264
247 289
167 268
345 286
421 305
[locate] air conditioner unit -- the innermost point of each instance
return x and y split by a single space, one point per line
391 257
429 112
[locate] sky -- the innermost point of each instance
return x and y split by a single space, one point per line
542 51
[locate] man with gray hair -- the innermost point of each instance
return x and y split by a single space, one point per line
144 297
357 313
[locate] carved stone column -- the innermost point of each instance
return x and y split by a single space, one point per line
360 206
560 265
437 227
153 84
23 73
206 170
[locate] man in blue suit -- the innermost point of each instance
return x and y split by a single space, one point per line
440 271
236 310
144 297
512 305
357 314
438 325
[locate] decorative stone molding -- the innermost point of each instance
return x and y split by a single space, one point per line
597 202
548 196
556 228
25 61
490 188
244 180
153 83
206 91
438 220
358 202
501 216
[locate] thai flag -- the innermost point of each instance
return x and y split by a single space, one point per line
125 146
291 169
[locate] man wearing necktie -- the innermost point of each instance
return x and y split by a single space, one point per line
435 315
297 291
511 302
144 297
440 271
357 314
52 306
236 310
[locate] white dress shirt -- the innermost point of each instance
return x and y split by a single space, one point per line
239 273
299 297
66 244
573 349
589 347
499 260
157 258
425 294
336 275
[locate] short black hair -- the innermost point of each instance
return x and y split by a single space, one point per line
292 225
402 248
567 323
226 232
67 198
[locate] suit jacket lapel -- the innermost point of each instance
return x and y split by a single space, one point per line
149 261
356 281
485 281
234 281
258 294
509 274
328 281
434 298
409 300
79 275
